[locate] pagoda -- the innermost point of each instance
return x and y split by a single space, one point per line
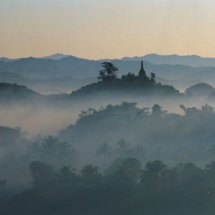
142 73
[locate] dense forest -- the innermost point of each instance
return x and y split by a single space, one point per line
120 158
127 85
155 189
129 159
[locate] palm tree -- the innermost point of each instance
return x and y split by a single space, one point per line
42 173
90 175
105 151
134 166
155 176
68 175
121 177
123 148
66 155
49 146
210 172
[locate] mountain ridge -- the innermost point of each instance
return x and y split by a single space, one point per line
173 59
189 60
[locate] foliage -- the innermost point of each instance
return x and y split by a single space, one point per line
127 85
158 190
108 73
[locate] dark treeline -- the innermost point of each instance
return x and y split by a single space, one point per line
127 85
129 189
109 135
118 159
108 83
171 137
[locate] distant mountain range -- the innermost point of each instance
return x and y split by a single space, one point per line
55 56
188 60
17 94
82 68
4 59
65 84
171 69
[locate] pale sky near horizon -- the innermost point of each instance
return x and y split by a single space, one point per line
96 29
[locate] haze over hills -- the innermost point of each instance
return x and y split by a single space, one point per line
11 94
4 59
173 70
107 113
80 68
56 56
64 84
189 60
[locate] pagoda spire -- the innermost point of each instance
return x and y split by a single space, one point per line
141 65
142 73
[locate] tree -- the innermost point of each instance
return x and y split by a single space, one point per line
49 147
120 178
129 79
153 78
66 154
157 111
68 175
155 176
58 153
123 148
90 176
42 174
105 151
108 72
134 166
189 176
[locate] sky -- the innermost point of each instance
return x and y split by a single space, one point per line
96 29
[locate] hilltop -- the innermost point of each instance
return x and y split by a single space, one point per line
64 84
82 68
18 94
201 89
188 60
127 85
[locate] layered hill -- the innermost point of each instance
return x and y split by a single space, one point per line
17 94
189 60
201 89
82 68
64 84
9 136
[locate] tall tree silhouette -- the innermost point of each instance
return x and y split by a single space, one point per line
108 72
105 151
42 174
155 176
90 175
122 149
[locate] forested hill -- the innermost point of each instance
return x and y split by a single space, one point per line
62 84
18 94
82 68
153 127
128 85
108 84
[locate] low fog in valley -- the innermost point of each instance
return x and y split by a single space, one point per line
107 107
109 130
